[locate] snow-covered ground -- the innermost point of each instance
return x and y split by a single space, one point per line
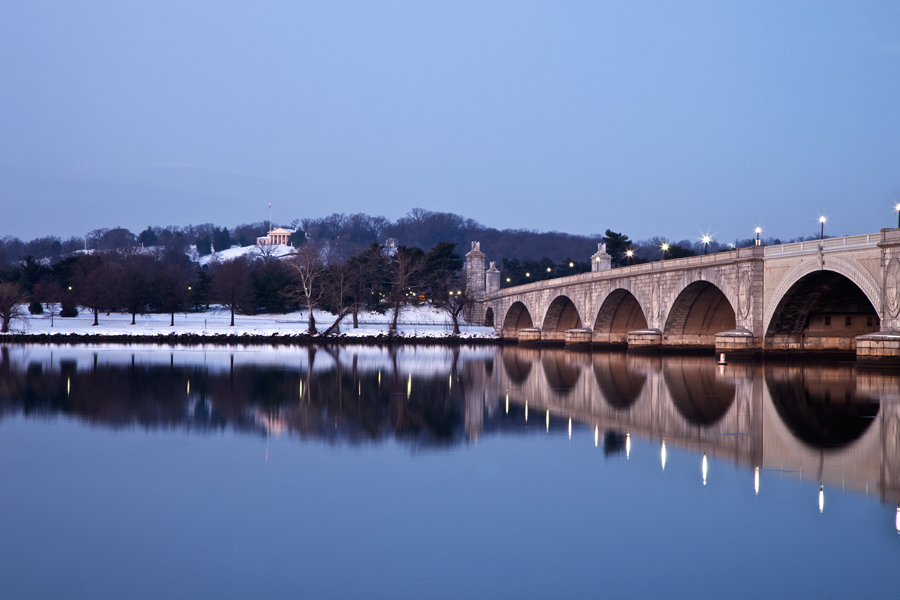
415 322
251 251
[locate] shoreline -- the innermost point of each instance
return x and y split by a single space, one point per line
244 339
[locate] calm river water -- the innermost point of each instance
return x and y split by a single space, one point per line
434 472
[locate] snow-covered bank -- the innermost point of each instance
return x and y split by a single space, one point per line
423 322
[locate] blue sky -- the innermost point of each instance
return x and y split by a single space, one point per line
669 119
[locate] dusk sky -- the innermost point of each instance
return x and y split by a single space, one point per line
670 119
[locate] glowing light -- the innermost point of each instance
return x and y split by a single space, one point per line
570 430
758 230
527 274
596 435
68 385
548 269
665 247
898 508
822 220
301 389
526 410
409 387
627 445
897 208
629 253
821 499
571 264
508 280
756 481
379 378
450 384
548 421
507 404
705 468
706 239
360 388
662 455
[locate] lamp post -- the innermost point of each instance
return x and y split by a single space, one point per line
897 208
822 233
629 254
665 248
758 231
706 241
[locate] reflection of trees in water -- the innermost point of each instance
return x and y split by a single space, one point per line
699 395
819 403
337 404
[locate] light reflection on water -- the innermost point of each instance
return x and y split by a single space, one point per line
796 426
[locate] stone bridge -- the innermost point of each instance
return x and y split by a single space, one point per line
835 295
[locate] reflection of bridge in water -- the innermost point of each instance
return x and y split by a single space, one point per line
825 422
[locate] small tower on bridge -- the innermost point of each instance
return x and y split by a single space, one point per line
475 274
492 278
600 260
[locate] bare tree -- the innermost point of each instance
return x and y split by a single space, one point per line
231 285
309 268
12 304
336 291
48 292
457 302
96 283
406 263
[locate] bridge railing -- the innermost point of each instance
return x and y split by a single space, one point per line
850 241
658 265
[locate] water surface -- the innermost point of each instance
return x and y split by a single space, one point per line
433 472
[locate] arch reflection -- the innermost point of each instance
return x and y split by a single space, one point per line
698 390
821 407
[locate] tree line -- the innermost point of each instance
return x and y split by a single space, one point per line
166 281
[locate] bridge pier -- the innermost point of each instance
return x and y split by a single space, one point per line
882 348
645 340
579 338
740 342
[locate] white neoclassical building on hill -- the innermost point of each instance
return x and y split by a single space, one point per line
277 236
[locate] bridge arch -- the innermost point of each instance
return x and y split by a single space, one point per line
699 312
620 313
808 293
517 317
561 315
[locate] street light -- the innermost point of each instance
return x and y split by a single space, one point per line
897 208
706 241
527 274
665 248
571 264
548 269
758 231
822 222
629 253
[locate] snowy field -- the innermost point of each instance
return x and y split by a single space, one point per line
415 322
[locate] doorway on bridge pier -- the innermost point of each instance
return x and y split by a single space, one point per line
697 315
561 316
823 311
619 314
517 317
